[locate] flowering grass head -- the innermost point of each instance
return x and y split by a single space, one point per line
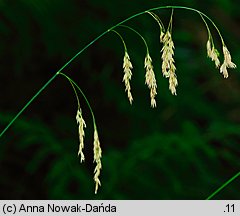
97 159
213 54
227 63
150 79
168 70
127 67
81 125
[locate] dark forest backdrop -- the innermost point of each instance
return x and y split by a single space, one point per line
184 149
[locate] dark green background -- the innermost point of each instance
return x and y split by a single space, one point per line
184 149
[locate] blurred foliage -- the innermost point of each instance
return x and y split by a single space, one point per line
184 149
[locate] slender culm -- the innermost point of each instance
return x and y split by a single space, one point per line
168 71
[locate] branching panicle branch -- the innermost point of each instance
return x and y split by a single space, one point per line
168 70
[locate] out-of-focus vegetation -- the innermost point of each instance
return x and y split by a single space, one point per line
184 149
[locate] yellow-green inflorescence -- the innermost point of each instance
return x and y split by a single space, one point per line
150 79
168 63
168 71
97 151
81 125
227 63
168 67
213 53
127 69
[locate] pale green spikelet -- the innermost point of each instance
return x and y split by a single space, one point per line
150 79
168 67
127 67
213 53
97 159
81 125
227 63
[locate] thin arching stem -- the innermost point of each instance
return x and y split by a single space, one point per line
84 96
92 42
159 21
27 104
132 29
170 22
86 47
48 82
74 89
209 32
195 10
125 47
223 186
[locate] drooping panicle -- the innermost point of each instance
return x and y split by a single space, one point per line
150 79
127 67
81 125
213 53
227 63
168 67
97 159
228 58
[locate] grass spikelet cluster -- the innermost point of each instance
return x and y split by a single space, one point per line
227 63
127 67
97 159
213 53
168 71
168 67
81 125
150 79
